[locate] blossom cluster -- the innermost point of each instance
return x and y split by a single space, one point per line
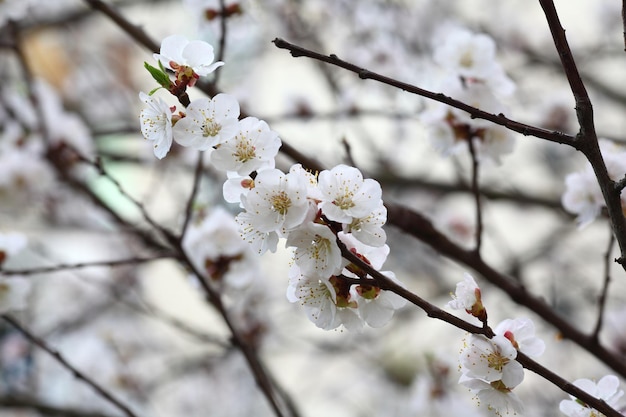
473 76
582 195
488 365
314 212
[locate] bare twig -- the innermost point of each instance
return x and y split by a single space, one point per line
61 360
476 192
35 404
80 265
499 119
586 139
197 176
222 42
605 288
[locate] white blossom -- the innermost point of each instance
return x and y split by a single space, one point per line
495 397
346 195
316 253
521 333
261 241
376 307
156 124
208 122
369 229
254 147
177 51
468 297
582 195
236 186
277 202
374 256
491 360
328 302
316 295
606 389
215 247
472 56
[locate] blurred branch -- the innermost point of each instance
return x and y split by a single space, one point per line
605 288
101 391
624 21
80 265
197 176
35 404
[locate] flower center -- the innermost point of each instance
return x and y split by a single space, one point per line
467 60
210 128
496 361
281 202
244 151
344 202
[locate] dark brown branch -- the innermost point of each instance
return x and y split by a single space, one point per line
476 191
61 360
566 386
586 139
435 312
418 226
499 119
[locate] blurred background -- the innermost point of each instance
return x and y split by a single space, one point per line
144 330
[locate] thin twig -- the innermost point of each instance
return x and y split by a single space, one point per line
348 149
36 404
144 213
476 192
222 42
61 360
197 176
605 287
499 119
80 265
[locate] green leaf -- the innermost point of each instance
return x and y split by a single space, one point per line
159 74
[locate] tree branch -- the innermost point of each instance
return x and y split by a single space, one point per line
499 119
101 391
